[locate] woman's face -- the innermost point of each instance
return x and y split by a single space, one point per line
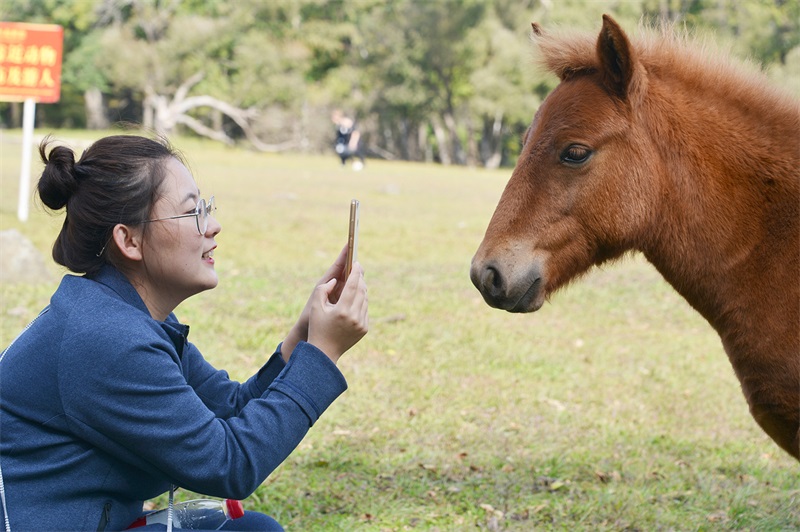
178 260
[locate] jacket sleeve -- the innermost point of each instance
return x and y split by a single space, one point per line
125 393
219 393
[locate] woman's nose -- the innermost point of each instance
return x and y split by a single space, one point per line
214 227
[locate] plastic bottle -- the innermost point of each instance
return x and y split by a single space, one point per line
205 514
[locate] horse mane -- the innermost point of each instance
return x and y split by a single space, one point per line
672 49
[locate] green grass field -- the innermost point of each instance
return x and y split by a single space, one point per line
612 408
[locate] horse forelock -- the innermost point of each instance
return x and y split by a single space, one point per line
567 54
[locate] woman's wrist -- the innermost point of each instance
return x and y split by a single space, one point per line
287 346
330 351
286 349
292 339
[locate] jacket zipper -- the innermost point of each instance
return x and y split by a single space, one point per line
105 517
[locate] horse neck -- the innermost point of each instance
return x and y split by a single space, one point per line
726 234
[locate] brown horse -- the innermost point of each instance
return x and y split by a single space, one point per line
656 145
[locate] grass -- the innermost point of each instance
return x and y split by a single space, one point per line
612 408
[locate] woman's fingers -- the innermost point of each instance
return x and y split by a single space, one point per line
337 267
336 327
354 285
336 271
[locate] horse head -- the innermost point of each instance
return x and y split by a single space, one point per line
581 192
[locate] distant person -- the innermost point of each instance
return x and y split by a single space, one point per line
347 144
105 401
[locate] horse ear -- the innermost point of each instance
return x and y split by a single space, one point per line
537 29
617 59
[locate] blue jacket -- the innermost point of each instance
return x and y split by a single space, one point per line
102 407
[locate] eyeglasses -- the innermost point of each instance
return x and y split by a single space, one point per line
201 213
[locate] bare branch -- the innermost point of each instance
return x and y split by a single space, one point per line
183 90
215 103
202 129
176 112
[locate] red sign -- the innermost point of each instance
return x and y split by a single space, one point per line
30 62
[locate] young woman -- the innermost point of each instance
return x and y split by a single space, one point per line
105 402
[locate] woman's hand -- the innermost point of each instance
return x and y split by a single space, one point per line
335 327
300 330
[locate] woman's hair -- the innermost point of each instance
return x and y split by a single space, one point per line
116 181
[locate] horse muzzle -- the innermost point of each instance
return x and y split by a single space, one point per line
508 288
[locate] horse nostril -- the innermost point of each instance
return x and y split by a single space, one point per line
487 278
492 281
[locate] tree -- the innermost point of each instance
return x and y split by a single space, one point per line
447 80
436 39
165 53
504 84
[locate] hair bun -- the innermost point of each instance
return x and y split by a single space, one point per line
58 181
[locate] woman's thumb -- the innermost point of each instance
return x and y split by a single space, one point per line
327 288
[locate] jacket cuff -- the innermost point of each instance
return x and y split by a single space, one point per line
311 379
268 372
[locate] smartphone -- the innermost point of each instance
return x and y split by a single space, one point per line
352 239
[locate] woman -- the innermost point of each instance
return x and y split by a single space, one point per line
105 403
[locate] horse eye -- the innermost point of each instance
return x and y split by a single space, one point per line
575 154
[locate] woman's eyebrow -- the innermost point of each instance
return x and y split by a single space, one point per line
191 196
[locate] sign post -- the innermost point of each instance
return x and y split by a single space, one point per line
30 71
28 114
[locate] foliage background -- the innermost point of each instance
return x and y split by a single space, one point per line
428 80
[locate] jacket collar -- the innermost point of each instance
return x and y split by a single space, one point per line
115 280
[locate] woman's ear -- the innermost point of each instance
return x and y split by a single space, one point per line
129 241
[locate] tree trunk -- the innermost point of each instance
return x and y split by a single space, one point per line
473 157
458 154
95 109
16 115
441 141
492 141
424 145
148 113
402 138
216 120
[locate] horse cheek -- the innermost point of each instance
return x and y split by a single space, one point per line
628 196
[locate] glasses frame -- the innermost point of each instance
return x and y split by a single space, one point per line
203 208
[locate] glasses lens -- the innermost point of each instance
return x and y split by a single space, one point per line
202 217
203 211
